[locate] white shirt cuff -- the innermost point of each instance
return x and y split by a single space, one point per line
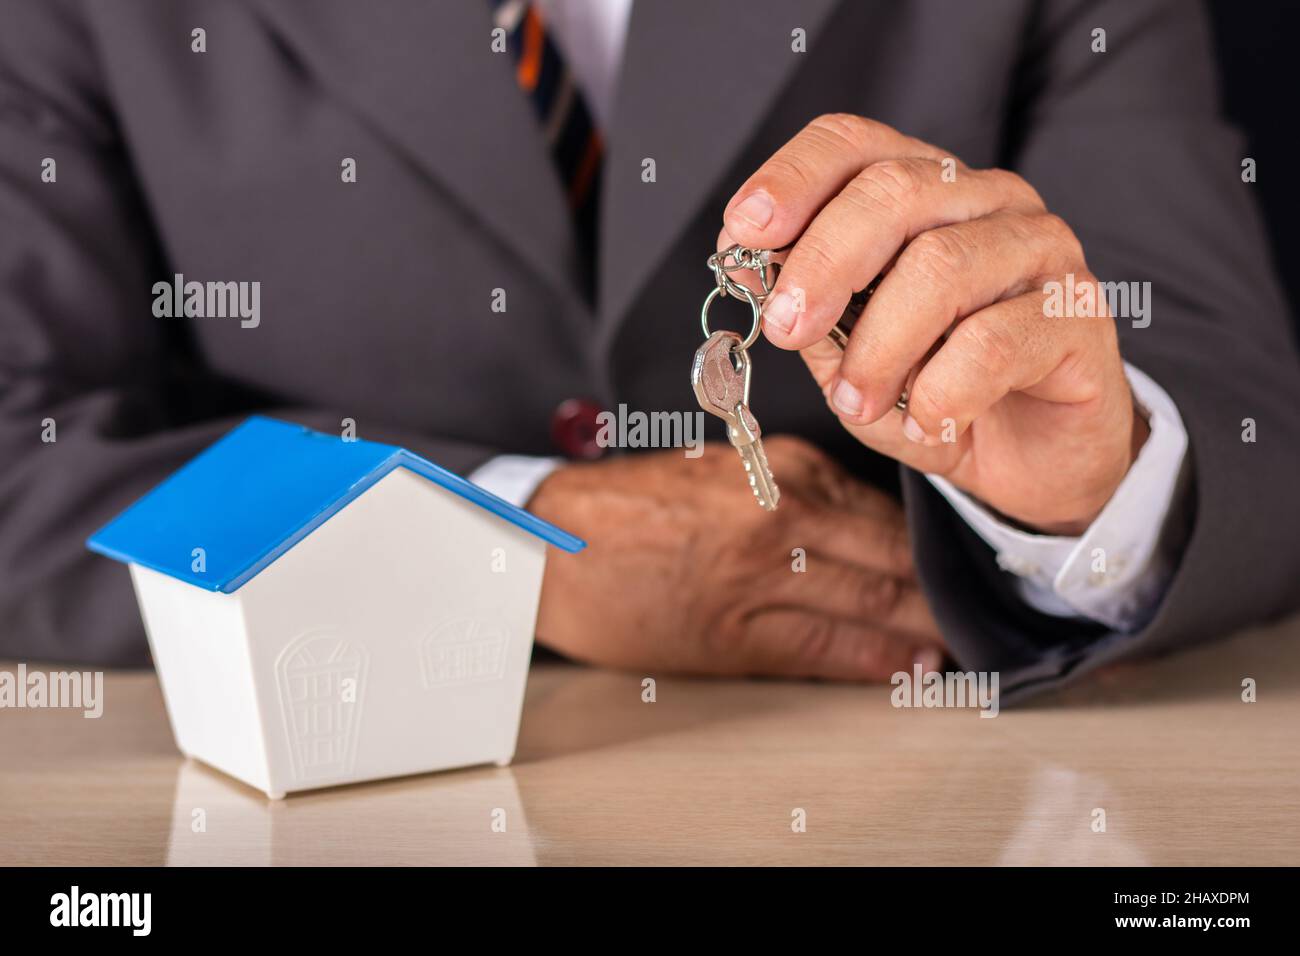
1112 573
514 477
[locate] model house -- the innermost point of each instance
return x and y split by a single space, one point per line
323 611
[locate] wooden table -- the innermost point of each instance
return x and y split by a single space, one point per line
713 772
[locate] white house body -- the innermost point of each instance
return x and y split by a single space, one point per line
389 635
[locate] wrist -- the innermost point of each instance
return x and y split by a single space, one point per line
1074 526
568 495
547 495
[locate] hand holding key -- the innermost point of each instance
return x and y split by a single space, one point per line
721 370
1032 415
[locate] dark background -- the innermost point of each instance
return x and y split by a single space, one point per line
1257 51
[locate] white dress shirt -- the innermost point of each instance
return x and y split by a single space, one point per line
590 35
1113 573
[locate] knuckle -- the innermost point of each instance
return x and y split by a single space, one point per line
899 543
989 347
1016 188
815 254
724 635
799 461
784 444
841 129
813 639
938 256
802 511
869 353
879 594
889 186
869 199
1018 227
792 446
1059 233
929 402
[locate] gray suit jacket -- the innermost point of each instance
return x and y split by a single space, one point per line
376 296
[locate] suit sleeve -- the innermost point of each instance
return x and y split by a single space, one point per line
1129 147
98 399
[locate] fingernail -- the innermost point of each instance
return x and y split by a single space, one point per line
847 398
913 431
779 310
756 210
929 660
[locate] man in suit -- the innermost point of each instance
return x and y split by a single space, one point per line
490 267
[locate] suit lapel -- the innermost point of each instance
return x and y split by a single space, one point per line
423 74
697 80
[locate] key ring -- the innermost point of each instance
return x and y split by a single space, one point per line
744 257
733 259
722 289
736 257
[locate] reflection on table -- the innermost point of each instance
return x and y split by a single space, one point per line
1166 753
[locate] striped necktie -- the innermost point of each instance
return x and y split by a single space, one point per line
571 134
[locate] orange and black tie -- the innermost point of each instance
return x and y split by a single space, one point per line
571 134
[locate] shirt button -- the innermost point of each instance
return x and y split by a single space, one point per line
574 427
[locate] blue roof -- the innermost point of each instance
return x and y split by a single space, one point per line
254 494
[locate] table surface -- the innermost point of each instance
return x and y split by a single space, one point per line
714 772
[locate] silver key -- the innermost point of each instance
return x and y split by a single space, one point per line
720 377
